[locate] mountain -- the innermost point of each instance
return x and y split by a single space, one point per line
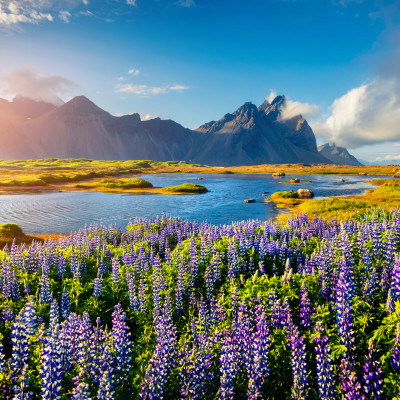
79 128
338 155
254 135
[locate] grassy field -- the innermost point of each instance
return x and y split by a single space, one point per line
52 171
385 196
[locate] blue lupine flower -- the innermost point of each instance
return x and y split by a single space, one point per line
372 379
299 365
325 372
395 358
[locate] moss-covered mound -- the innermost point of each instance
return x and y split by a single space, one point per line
290 194
186 188
10 230
123 183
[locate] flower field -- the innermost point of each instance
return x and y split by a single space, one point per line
173 309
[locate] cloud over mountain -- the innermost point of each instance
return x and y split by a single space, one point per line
29 82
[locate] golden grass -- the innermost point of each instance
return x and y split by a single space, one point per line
386 196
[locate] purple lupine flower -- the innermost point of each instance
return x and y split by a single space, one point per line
390 306
51 372
122 345
162 362
195 371
21 391
7 315
98 287
395 358
54 315
44 289
344 316
233 260
299 365
133 299
30 318
20 347
65 303
351 388
115 266
325 372
260 343
10 287
106 389
81 388
372 379
229 369
395 283
305 310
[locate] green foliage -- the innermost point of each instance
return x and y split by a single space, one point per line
290 194
186 188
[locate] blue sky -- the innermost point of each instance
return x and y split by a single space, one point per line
195 60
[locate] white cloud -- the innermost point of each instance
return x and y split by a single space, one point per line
64 16
22 11
131 2
365 115
146 91
388 157
291 109
147 117
134 72
271 96
28 82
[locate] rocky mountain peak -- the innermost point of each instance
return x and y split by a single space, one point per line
337 154
82 105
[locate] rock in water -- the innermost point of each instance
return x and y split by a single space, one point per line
305 194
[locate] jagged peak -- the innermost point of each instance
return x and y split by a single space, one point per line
82 104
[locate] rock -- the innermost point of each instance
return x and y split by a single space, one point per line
341 180
200 179
249 201
278 174
295 180
305 194
396 175
362 173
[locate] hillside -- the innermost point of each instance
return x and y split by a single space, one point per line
79 128
338 155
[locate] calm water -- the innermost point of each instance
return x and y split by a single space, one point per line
66 212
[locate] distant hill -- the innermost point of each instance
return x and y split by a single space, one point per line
338 155
79 128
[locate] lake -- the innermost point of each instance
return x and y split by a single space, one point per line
65 212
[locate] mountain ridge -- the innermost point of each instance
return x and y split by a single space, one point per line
79 128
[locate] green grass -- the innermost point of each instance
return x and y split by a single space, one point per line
10 230
123 183
289 194
186 188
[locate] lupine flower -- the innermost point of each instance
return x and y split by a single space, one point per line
65 303
299 365
51 372
2 357
54 315
30 318
44 289
372 379
351 388
122 345
21 391
229 368
20 347
305 310
162 362
81 388
395 358
97 286
390 306
325 372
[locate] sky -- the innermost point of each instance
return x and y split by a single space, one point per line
336 61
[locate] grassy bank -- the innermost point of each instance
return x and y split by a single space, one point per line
53 171
385 196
